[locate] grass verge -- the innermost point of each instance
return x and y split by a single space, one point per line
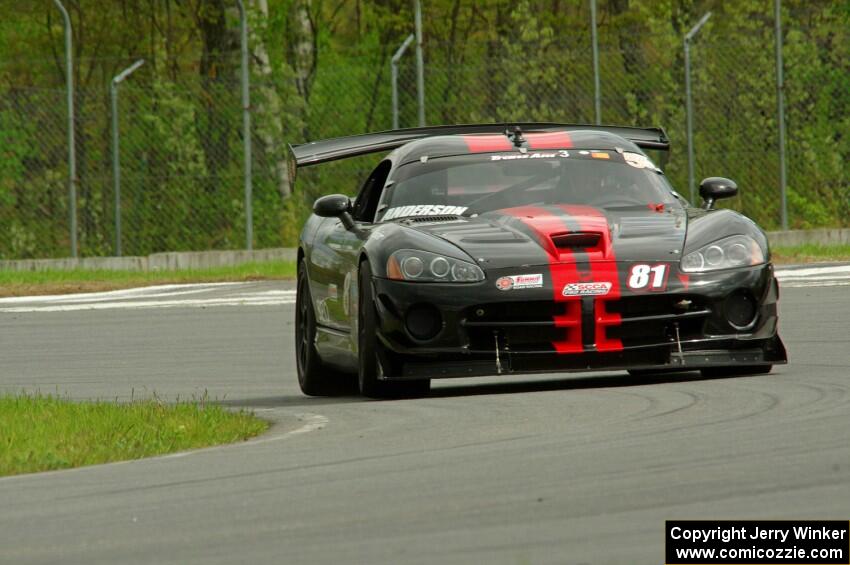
809 253
28 283
44 432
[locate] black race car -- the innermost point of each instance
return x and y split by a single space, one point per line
514 248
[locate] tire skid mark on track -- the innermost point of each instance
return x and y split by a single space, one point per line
286 469
708 401
694 400
829 397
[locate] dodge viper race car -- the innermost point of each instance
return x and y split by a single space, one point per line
518 248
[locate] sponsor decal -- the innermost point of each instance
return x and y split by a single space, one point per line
587 289
652 277
551 140
487 143
639 161
517 282
423 210
536 155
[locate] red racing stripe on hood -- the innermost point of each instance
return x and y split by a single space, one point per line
562 270
603 269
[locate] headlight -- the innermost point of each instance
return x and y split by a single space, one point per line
410 265
727 253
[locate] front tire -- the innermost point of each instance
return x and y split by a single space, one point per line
314 378
374 362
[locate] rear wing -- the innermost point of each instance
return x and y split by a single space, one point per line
316 152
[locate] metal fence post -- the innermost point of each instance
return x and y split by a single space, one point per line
116 153
394 75
246 127
72 153
689 104
780 112
420 64
597 104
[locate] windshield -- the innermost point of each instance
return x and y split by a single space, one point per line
474 184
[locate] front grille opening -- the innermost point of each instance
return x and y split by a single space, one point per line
655 305
533 311
686 311
521 326
656 331
516 339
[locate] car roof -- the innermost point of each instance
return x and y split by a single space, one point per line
451 145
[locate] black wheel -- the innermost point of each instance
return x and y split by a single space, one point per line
375 363
313 377
736 371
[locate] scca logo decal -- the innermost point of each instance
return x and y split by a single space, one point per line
587 289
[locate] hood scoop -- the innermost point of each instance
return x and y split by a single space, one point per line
576 239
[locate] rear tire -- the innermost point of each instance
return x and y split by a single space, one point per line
314 378
374 361
736 371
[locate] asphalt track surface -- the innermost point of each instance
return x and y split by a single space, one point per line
545 469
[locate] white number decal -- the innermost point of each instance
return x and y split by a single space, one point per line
652 276
639 277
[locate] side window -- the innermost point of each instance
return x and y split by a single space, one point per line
367 200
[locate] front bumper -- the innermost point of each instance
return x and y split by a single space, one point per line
482 330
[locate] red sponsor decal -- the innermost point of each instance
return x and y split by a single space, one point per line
553 140
487 143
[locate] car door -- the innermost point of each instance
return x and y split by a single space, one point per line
340 248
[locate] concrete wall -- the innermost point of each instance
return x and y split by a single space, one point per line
155 262
207 259
799 237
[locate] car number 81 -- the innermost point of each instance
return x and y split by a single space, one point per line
653 277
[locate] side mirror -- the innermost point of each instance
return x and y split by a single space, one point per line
715 188
336 206
332 206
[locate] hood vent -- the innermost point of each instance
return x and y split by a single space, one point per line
576 239
431 219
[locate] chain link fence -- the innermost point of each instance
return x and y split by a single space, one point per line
181 137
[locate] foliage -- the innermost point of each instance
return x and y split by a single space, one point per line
810 252
320 68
